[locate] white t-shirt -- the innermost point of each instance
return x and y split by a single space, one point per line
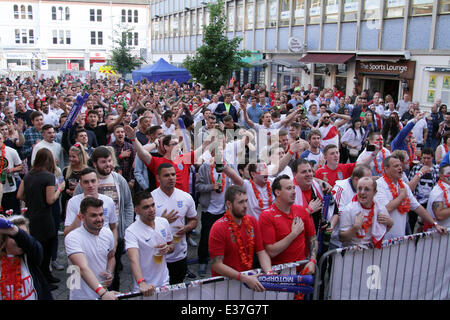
437 195
96 249
108 188
50 118
73 208
216 203
418 128
55 149
167 130
27 292
287 171
347 220
383 197
12 159
379 159
182 203
253 205
353 139
145 238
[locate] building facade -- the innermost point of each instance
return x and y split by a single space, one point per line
68 35
394 46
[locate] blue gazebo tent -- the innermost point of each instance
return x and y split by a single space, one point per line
162 70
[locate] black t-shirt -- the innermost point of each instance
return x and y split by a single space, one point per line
101 133
42 225
25 117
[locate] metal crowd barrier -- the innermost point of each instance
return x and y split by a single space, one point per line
414 267
219 288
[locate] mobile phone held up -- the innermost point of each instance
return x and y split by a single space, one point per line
370 147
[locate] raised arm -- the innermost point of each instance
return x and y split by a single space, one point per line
143 154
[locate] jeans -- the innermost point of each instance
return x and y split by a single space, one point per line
56 211
119 252
9 201
207 220
47 247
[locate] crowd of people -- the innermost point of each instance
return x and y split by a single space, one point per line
274 176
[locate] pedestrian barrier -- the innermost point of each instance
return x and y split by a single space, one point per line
415 267
220 288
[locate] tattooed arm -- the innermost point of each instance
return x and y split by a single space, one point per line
310 267
439 211
227 271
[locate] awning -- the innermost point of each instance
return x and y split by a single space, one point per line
328 58
390 58
289 63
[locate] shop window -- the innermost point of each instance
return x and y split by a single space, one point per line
394 8
299 12
285 13
421 7
372 9
273 13
136 16
230 17
319 81
315 12
30 12
23 14
260 14
351 8
331 11
99 15
444 6
239 15
53 13
249 14
16 11
438 88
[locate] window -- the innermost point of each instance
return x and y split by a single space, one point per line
299 12
175 25
93 38
55 36
207 17
249 14
273 13
91 15
99 15
161 28
23 14
166 27
319 75
16 11
444 6
68 37
67 13
60 13
30 12
53 13
136 39
155 29
285 12
181 25
260 14
136 17
315 11
194 23
200 22
130 17
240 15
371 9
130 38
61 37
351 8
17 35
394 8
421 7
100 38
331 10
438 88
124 16
230 16
24 36
187 24
170 26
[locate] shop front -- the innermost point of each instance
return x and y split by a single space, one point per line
394 77
437 85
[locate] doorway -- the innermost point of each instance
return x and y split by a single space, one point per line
384 86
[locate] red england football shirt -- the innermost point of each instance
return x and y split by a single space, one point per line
343 171
275 225
221 244
181 164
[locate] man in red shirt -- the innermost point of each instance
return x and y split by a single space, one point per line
288 229
333 170
170 146
234 238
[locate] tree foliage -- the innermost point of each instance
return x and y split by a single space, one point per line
218 56
121 57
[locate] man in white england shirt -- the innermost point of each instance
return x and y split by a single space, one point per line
438 203
175 205
89 182
404 201
376 164
91 249
148 240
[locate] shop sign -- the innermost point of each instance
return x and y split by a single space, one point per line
404 70
295 45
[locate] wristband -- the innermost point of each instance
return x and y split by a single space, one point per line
290 152
238 278
99 287
420 174
140 280
60 190
120 156
101 296
132 140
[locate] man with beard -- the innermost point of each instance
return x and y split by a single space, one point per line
288 229
125 154
229 258
329 130
116 187
91 249
398 199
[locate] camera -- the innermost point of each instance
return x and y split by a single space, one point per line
219 167
370 147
